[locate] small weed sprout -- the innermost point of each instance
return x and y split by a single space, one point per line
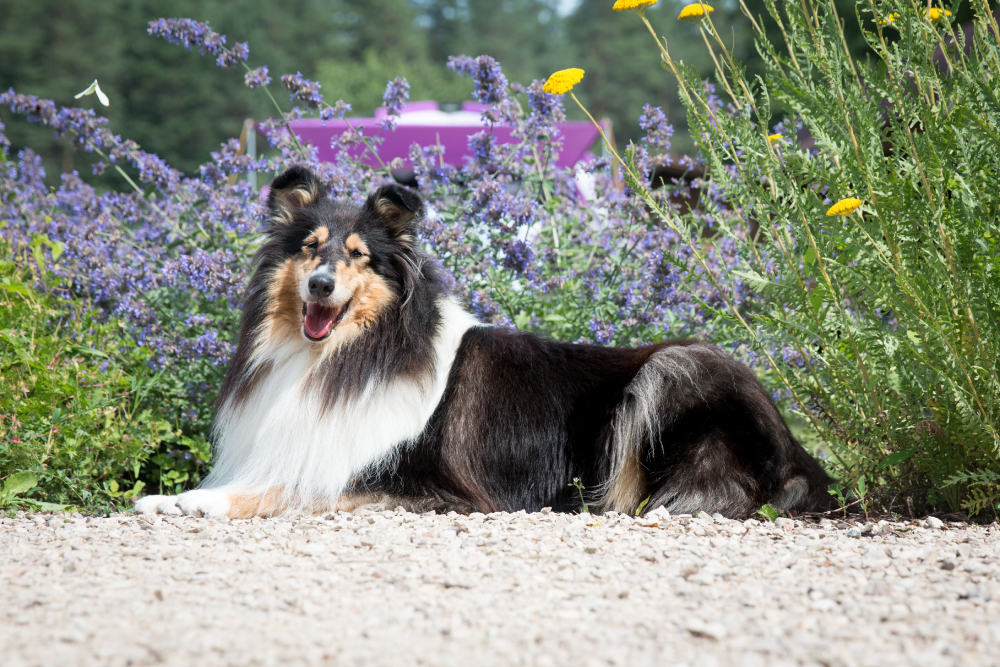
578 485
768 513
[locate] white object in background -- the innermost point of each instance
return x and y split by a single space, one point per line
94 89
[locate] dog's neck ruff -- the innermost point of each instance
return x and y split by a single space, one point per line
283 437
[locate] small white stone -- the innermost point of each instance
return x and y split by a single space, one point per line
935 522
784 524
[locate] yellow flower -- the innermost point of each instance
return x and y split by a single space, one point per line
935 14
890 19
695 12
774 137
563 81
845 206
637 6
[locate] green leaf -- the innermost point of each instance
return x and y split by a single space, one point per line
638 510
768 513
816 300
40 506
896 458
754 279
19 483
809 257
9 285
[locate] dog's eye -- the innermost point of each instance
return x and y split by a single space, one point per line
357 254
313 246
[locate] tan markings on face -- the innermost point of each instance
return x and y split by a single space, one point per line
284 310
319 235
355 243
370 293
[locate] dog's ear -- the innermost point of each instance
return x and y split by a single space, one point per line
294 188
399 207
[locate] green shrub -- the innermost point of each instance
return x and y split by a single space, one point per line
882 325
74 415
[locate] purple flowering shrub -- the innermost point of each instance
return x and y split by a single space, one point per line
571 254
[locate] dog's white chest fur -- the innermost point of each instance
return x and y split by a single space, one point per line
282 438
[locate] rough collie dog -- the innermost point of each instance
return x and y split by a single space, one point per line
357 380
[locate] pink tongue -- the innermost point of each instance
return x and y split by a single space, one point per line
319 320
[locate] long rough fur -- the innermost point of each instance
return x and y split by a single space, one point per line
416 404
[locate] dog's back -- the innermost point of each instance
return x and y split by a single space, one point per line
681 423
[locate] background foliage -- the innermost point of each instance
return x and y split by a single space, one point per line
73 390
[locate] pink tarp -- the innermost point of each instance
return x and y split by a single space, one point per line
425 124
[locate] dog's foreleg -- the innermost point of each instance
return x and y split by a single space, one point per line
218 503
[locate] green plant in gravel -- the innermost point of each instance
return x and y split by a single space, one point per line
578 485
769 513
877 261
74 426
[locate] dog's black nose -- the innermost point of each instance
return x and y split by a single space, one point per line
321 285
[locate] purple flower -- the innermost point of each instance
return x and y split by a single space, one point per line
303 90
257 77
397 92
338 110
658 130
490 84
230 58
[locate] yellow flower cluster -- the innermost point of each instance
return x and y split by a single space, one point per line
771 138
890 19
845 206
637 6
563 81
695 12
934 14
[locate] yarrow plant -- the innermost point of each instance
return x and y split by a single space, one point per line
870 231
570 253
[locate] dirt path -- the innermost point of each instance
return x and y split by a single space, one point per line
507 589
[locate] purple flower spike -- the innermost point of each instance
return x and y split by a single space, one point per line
189 33
487 75
397 92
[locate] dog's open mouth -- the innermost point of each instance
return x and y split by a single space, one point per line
319 320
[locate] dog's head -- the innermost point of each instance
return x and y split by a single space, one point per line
332 269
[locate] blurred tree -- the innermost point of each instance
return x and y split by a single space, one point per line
171 101
525 36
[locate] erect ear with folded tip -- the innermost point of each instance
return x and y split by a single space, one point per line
400 207
293 189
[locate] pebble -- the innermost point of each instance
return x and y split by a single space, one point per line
395 588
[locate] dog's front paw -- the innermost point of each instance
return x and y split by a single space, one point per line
157 505
204 502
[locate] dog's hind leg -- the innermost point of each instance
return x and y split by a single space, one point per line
696 431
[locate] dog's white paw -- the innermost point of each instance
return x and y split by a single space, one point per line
204 502
157 505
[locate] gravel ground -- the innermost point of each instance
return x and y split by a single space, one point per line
395 588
